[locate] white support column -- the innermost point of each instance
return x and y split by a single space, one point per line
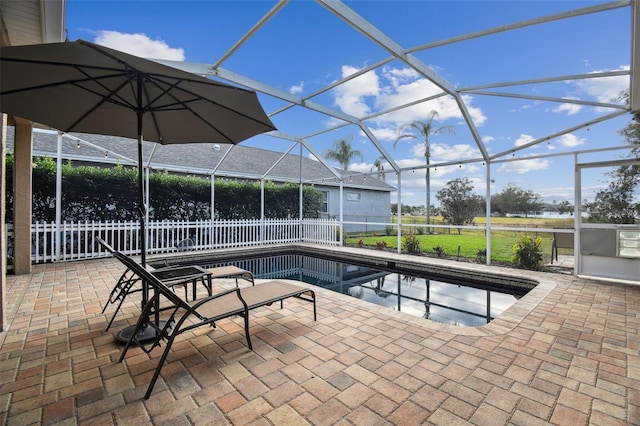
213 210
341 213
577 216
300 201
58 235
262 211
399 212
146 207
488 214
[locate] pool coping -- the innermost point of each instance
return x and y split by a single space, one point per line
541 284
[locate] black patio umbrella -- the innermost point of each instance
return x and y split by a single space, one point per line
83 87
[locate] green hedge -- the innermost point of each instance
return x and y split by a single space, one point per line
105 194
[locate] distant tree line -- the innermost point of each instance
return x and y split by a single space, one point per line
515 201
459 205
111 194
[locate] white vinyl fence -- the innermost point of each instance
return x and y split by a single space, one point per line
77 239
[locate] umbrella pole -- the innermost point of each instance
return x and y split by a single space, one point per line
147 333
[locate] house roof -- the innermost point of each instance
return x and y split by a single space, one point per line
32 21
203 159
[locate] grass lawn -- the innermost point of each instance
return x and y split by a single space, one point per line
470 242
497 221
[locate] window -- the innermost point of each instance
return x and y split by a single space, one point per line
325 202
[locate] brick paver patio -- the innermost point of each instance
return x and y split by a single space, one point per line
566 354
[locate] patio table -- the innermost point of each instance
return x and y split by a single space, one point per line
182 275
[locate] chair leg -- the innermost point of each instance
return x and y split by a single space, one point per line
246 329
315 316
137 328
139 325
114 314
313 297
156 374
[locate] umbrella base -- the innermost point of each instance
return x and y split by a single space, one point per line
145 335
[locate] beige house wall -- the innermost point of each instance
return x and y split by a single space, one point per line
22 196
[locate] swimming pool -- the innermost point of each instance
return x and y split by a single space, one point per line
445 296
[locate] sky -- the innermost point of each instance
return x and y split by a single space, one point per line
304 48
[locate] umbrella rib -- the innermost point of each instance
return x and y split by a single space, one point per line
77 82
181 105
150 102
108 97
162 89
110 93
196 98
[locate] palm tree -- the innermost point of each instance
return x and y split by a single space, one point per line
424 130
377 165
342 152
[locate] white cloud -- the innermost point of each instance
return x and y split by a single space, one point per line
406 163
559 194
389 87
398 76
452 153
139 45
570 140
524 166
417 150
436 172
525 107
445 153
351 96
569 109
605 89
385 133
477 116
295 89
523 140
487 139
360 167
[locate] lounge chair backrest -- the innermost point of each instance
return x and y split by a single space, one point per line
106 245
146 276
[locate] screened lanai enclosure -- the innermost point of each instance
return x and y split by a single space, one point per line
532 94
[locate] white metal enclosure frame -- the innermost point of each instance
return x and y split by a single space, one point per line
411 57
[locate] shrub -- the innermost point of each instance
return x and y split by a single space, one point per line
360 243
439 251
389 230
411 243
381 245
527 253
104 194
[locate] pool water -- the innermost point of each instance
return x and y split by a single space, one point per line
444 301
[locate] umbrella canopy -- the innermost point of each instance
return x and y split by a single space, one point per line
82 87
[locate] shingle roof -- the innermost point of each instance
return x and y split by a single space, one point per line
242 161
